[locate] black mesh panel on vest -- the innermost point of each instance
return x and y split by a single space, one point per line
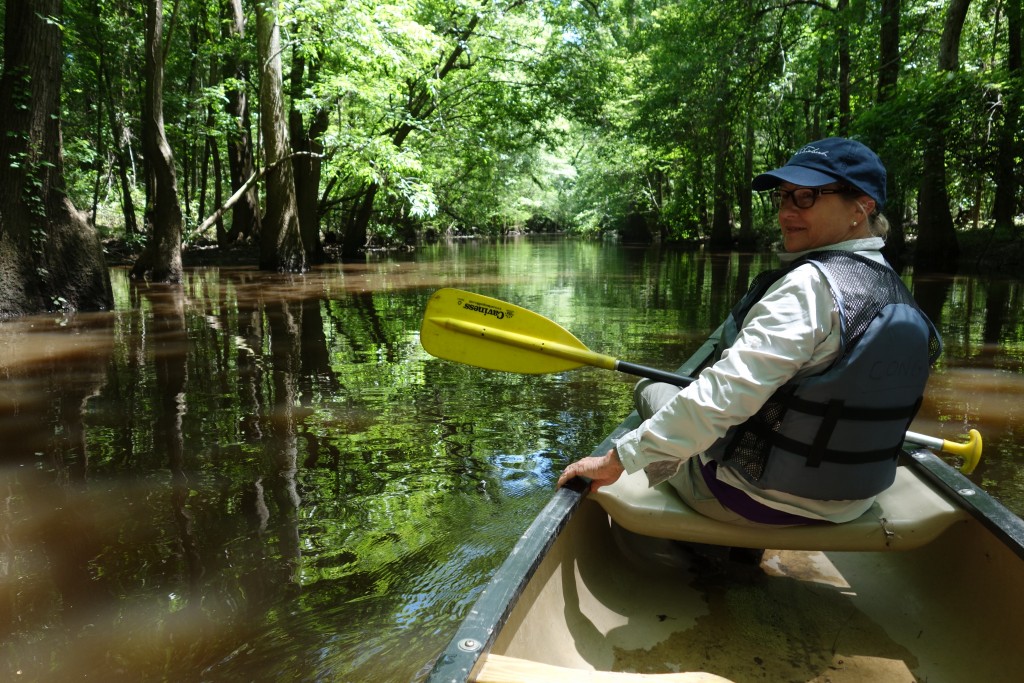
865 297
749 449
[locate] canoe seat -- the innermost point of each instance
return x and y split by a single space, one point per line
908 514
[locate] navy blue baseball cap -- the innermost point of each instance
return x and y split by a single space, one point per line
828 161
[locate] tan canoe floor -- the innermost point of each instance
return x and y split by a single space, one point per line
752 628
789 631
608 605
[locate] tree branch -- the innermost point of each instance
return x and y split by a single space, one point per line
246 186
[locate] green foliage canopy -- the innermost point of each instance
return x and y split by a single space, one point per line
478 117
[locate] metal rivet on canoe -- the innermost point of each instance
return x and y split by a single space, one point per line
966 492
469 645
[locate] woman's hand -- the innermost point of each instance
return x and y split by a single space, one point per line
601 470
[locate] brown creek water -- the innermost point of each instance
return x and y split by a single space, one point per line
265 477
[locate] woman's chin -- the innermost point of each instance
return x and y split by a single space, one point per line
792 243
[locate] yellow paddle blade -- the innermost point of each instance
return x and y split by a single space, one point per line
496 335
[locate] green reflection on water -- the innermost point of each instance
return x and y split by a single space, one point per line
265 476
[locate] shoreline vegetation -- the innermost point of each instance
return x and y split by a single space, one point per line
981 253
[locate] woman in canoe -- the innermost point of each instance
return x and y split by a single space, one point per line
821 366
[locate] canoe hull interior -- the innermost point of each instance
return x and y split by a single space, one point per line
607 600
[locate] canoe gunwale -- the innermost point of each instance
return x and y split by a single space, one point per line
489 613
961 491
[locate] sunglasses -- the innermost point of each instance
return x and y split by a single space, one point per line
803 197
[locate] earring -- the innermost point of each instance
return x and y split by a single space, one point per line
854 223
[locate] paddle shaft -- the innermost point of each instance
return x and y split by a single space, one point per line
652 373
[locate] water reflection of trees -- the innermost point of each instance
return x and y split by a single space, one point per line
258 407
168 341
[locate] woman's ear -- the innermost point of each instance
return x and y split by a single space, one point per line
867 205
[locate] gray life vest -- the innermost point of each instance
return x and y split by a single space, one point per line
836 435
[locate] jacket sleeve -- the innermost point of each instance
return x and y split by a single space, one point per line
793 330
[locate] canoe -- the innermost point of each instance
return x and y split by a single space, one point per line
628 584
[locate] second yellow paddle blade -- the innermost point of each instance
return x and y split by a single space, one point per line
496 335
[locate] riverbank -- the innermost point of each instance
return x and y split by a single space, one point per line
981 253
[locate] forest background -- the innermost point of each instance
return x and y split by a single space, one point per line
308 130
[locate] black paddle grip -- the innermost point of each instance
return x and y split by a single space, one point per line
652 373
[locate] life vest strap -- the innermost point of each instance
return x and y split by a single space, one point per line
833 411
816 452
819 409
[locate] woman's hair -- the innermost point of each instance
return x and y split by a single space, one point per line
879 225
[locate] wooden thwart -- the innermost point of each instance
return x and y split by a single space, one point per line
909 514
501 669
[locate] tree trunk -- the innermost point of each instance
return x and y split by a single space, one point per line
843 40
160 261
122 157
101 148
949 43
308 167
245 215
747 239
889 50
889 60
212 155
816 114
937 247
105 89
701 200
721 218
281 241
1005 202
356 235
50 257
